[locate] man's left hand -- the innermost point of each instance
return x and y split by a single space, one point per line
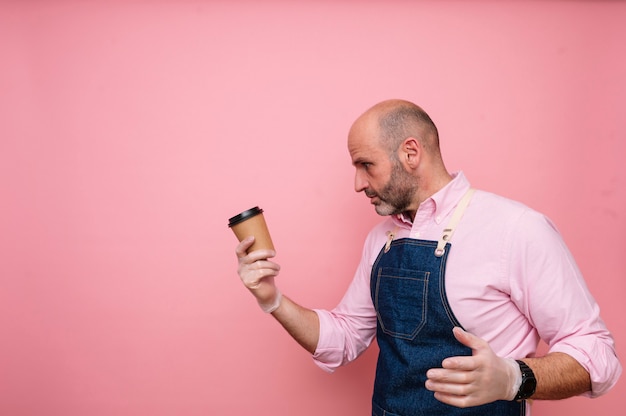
478 379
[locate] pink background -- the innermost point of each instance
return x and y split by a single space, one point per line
131 131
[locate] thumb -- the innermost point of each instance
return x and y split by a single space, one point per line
468 339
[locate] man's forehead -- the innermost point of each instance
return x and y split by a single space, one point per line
363 146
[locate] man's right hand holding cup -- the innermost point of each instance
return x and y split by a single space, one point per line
257 274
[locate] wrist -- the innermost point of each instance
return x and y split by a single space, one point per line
515 376
271 306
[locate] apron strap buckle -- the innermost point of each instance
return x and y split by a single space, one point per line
390 236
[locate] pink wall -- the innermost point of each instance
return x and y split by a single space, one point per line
131 131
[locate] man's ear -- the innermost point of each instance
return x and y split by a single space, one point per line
410 152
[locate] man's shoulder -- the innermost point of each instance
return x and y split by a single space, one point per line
497 209
498 203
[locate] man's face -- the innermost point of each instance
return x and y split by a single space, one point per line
382 178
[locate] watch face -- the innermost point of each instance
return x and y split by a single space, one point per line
528 386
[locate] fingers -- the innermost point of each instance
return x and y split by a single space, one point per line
245 244
461 400
453 389
470 380
456 388
481 353
456 375
479 348
259 269
254 271
257 273
254 268
443 376
468 339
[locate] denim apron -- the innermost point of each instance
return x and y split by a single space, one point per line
414 329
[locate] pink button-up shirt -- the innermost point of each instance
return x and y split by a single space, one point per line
510 280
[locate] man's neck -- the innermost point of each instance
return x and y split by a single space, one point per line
436 184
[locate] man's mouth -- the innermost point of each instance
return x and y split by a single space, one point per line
374 198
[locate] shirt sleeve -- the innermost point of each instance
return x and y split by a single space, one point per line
348 329
548 287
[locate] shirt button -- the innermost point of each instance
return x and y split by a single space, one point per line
438 219
417 235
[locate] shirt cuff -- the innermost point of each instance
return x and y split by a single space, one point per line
604 368
328 354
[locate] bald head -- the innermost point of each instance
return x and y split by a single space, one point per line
395 120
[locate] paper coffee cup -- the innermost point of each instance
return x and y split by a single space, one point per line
252 222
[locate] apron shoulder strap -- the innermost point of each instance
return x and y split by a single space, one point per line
454 221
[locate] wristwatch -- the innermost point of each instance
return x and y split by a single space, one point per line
529 382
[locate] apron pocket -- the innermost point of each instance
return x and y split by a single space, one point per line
400 298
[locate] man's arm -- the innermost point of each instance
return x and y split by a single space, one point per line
301 323
484 377
559 376
257 273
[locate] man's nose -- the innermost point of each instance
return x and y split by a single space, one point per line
360 183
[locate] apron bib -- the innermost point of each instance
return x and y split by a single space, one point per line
414 329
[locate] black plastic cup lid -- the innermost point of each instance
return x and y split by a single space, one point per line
244 216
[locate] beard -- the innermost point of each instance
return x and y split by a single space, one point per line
397 194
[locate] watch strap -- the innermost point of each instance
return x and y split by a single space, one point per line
529 382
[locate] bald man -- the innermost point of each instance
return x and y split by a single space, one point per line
457 286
